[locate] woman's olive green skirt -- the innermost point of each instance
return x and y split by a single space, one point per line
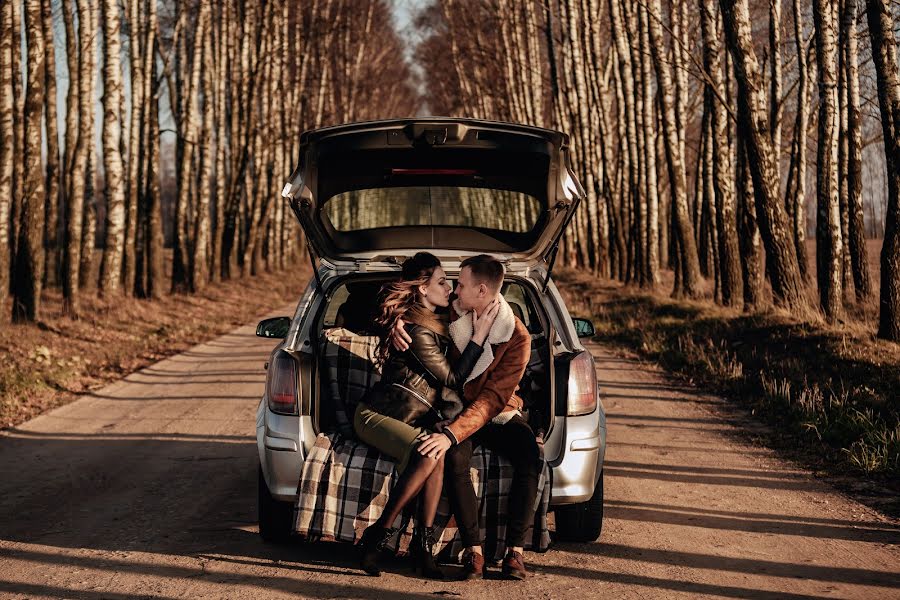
390 436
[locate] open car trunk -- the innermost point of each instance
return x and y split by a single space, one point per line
433 184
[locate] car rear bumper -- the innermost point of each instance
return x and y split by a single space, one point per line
577 467
280 455
576 476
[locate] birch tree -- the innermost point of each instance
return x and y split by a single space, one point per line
796 182
71 139
7 154
188 139
829 243
884 55
200 248
77 197
690 263
856 232
651 241
723 170
29 266
753 126
111 265
776 84
52 163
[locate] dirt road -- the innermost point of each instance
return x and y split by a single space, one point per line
147 490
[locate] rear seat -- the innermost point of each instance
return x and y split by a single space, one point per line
345 483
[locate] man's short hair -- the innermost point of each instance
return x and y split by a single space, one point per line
485 269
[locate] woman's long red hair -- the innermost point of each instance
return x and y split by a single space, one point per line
399 297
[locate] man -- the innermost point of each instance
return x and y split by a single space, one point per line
492 417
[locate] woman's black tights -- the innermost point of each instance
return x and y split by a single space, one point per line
422 474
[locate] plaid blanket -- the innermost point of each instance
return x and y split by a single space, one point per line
350 365
345 484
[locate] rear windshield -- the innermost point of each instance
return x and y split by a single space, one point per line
444 206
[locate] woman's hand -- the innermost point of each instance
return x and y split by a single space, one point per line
400 340
434 446
482 324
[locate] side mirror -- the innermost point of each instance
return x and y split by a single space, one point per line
583 327
274 328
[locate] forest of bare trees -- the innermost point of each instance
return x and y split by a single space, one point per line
174 126
143 142
701 129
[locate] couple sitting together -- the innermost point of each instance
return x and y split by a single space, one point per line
448 384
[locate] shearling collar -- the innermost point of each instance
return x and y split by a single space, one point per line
501 331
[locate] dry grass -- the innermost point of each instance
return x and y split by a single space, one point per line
832 388
58 359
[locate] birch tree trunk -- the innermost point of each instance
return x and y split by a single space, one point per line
200 256
189 136
829 242
857 238
723 170
29 266
53 173
639 208
78 198
843 159
223 66
775 81
7 156
153 196
628 100
753 124
651 181
87 279
690 263
749 240
72 131
144 161
137 155
884 55
796 186
18 96
111 265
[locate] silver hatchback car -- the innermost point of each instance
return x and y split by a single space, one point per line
369 195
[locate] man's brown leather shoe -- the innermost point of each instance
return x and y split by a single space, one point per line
514 565
473 566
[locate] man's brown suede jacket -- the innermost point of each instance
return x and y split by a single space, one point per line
494 391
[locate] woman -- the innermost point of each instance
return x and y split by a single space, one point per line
418 389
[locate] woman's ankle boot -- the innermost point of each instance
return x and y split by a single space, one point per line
421 550
374 539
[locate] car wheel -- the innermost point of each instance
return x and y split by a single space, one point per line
275 516
581 522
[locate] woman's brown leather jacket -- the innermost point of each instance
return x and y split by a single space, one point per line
419 386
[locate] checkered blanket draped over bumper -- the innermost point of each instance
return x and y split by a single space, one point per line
345 484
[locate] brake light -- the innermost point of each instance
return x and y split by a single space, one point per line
433 171
281 384
582 399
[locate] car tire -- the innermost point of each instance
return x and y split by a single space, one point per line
581 522
275 516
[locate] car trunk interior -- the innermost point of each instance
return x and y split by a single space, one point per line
352 306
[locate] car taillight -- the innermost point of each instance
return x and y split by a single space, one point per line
582 398
433 172
282 384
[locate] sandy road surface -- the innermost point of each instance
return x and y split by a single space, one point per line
147 490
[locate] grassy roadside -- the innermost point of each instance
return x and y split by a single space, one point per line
58 359
832 395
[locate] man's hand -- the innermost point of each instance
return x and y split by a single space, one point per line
400 340
434 446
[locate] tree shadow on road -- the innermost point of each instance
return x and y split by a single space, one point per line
856 531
